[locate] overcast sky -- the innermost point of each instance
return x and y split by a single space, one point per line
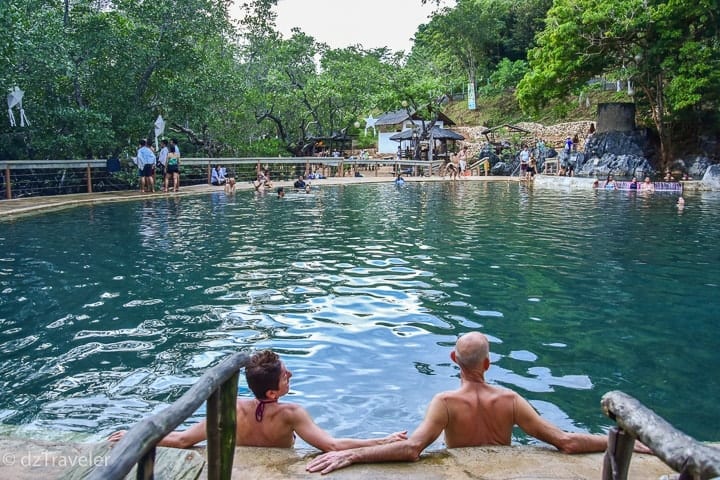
340 23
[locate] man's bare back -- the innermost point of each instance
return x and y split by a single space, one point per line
478 414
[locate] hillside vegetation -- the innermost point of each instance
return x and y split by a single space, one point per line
493 111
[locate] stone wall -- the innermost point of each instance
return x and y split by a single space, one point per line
553 135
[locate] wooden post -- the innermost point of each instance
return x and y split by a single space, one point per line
209 173
617 457
679 451
89 179
213 435
145 435
221 423
8 189
146 466
228 423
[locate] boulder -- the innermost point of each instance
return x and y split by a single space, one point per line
620 153
618 165
711 179
697 166
502 169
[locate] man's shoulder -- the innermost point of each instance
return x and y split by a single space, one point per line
485 391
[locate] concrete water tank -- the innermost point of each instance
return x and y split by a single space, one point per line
616 117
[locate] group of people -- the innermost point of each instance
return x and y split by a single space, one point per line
219 177
475 414
262 182
670 178
647 185
528 163
300 185
566 171
167 163
457 167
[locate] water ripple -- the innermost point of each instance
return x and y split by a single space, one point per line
363 290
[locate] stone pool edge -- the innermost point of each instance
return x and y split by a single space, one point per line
25 458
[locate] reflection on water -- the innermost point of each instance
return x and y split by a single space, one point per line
110 312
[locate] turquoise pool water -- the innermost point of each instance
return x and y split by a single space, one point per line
110 312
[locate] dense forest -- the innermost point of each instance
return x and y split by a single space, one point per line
97 73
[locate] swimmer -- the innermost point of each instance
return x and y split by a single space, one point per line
307 188
230 185
264 421
647 185
610 183
681 203
399 180
281 192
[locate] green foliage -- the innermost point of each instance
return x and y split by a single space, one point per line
505 77
267 147
96 78
668 50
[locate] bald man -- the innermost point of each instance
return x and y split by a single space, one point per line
475 414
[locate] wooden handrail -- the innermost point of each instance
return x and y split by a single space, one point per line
203 161
679 451
219 386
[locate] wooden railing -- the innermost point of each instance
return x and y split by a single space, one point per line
13 171
694 460
219 387
25 170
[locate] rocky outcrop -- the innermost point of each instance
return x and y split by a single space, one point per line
625 154
621 153
711 179
694 167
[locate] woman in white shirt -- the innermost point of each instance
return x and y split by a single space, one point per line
218 176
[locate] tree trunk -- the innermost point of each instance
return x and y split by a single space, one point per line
655 97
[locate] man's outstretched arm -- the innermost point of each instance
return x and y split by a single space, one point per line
533 424
408 450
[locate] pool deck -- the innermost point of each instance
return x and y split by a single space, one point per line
17 207
43 460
